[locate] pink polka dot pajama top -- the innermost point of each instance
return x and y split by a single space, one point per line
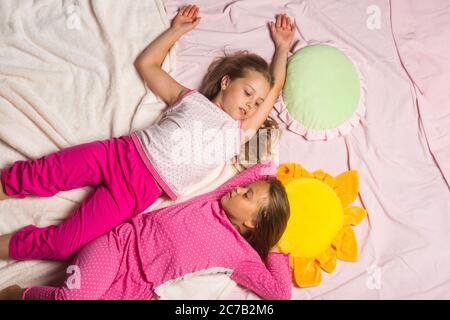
137 258
193 137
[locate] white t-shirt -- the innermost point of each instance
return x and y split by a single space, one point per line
193 137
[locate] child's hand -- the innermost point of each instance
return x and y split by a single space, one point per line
186 19
282 31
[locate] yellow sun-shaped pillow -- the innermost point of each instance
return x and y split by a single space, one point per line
319 228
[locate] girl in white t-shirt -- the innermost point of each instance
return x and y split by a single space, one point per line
200 131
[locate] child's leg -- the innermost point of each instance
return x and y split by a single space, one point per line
128 188
4 246
3 195
97 214
13 292
70 168
90 275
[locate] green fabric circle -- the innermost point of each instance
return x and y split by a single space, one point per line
322 87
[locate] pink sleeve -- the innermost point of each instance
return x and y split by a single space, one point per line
271 282
259 171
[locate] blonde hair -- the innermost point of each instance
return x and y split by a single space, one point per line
260 147
272 220
234 66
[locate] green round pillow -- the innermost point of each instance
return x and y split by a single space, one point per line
322 92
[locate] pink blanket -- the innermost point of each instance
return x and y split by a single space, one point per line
404 241
422 34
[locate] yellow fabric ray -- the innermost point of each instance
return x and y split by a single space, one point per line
306 272
345 244
319 230
346 187
324 177
354 215
327 260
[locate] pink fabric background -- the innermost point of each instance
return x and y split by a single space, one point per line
404 241
422 34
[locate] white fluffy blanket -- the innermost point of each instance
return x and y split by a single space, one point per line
67 77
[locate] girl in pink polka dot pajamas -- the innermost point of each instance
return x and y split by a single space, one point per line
229 230
130 172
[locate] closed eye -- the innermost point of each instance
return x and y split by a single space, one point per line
248 93
247 194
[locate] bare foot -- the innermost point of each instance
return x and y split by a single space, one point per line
13 292
3 195
4 246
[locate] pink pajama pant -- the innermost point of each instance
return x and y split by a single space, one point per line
124 188
105 269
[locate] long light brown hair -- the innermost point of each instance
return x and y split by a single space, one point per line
260 147
235 66
271 220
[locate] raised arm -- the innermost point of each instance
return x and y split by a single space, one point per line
282 32
257 172
149 62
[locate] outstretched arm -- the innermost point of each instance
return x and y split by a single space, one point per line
149 62
257 172
282 32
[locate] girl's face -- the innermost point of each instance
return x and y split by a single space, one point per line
243 204
241 97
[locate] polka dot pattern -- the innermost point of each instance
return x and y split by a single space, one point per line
197 235
123 188
191 139
107 270
135 258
